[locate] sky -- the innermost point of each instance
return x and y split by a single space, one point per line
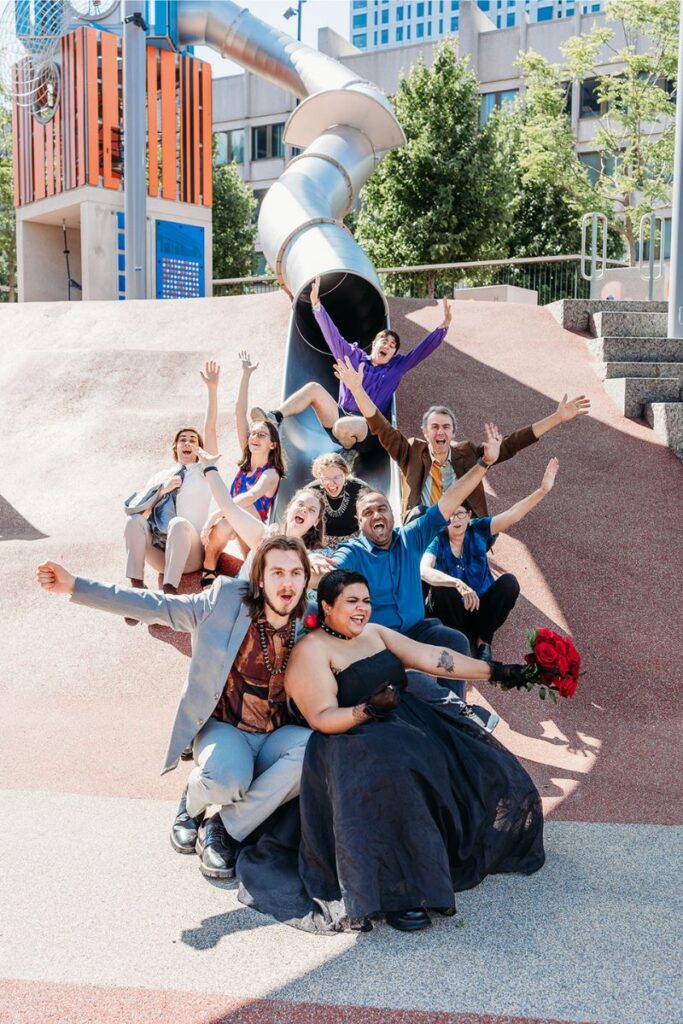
316 14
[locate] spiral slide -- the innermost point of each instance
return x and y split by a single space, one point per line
344 125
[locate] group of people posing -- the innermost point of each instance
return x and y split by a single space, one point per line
338 768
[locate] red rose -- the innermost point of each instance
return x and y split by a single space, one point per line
563 664
545 634
566 687
545 654
546 679
311 621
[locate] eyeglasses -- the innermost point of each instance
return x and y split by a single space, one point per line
462 514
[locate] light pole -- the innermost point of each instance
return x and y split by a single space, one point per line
291 13
675 326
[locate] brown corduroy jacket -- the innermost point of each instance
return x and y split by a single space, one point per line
411 454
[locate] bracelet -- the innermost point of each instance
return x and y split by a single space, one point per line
207 469
484 465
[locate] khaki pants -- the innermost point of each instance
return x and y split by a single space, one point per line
184 551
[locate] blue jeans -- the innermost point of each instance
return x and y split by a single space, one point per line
427 688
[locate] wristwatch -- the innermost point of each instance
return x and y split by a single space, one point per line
484 465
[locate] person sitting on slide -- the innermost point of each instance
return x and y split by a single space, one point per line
303 519
428 466
384 371
166 519
259 472
339 492
401 805
462 591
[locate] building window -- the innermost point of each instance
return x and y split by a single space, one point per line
419 30
399 14
440 26
359 5
399 34
596 164
510 19
360 40
229 147
259 196
454 24
420 11
484 6
360 21
408 32
429 28
385 17
491 100
384 38
374 41
267 141
544 14
590 105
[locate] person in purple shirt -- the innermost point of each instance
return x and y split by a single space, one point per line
383 368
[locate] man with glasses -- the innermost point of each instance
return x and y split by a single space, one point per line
383 368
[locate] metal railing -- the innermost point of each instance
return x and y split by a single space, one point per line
552 277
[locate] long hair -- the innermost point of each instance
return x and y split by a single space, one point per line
333 583
254 599
276 457
315 537
183 430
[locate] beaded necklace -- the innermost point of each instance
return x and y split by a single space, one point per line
334 513
273 669
333 632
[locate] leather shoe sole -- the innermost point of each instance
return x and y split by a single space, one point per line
183 840
212 871
408 920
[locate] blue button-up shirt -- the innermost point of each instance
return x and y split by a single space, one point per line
393 573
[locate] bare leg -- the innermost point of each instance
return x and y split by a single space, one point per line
314 395
183 551
350 430
219 535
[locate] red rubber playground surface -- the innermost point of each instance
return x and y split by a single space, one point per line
101 921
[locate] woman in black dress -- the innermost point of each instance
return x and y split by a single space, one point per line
402 804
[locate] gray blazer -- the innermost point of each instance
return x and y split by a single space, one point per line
218 621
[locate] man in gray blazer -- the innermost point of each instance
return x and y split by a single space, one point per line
232 708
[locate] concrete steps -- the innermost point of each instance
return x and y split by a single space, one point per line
666 419
641 368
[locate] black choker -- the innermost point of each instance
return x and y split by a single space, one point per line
333 632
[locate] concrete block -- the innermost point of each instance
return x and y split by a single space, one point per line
498 293
627 324
631 393
666 419
607 370
573 314
635 350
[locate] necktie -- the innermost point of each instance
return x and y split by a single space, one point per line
436 488
163 513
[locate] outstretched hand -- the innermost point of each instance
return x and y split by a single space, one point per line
447 313
53 577
345 372
211 374
247 365
203 457
492 442
315 292
567 410
549 475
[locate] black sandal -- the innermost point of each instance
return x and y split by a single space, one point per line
209 577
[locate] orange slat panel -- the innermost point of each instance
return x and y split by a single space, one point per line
207 137
195 131
152 134
49 159
80 107
168 121
182 139
68 122
110 104
92 133
58 148
16 148
38 130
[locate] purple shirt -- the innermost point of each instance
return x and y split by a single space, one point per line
379 382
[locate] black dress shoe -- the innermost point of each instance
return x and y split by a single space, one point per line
217 851
184 829
488 720
408 920
484 653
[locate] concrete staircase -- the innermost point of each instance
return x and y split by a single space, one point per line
641 368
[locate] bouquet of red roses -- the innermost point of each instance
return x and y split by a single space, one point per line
554 664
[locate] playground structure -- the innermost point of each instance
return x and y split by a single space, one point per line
72 159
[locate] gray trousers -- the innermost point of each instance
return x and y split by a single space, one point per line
184 551
249 775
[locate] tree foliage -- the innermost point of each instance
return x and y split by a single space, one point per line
440 198
8 246
234 224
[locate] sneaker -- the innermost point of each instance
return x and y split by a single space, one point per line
217 851
258 413
184 829
488 720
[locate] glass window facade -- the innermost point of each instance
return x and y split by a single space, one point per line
229 147
267 141
360 40
419 30
360 21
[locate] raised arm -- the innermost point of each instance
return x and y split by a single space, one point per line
428 344
461 488
434 661
182 613
247 527
242 403
338 345
504 520
392 440
265 487
565 412
211 376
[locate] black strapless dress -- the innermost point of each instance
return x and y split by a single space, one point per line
392 815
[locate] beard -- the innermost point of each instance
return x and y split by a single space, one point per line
274 607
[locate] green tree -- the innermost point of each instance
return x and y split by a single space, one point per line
441 198
635 129
8 245
234 224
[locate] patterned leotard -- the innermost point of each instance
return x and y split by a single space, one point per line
245 481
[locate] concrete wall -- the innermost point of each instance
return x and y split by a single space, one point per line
40 247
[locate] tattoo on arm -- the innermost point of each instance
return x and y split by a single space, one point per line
446 661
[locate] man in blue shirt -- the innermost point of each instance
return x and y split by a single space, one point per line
389 557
